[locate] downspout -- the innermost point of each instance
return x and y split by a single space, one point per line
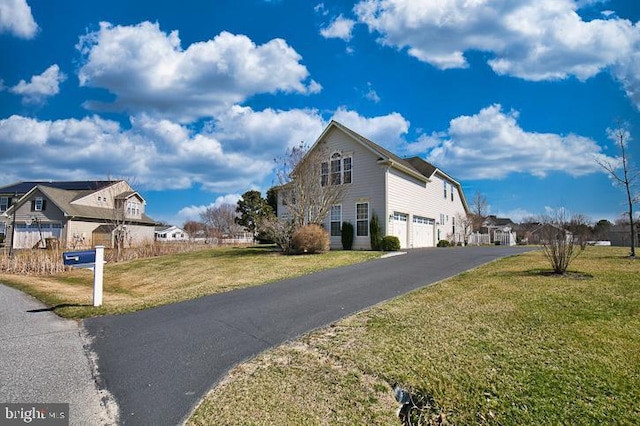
386 201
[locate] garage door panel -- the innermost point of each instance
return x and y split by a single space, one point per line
422 232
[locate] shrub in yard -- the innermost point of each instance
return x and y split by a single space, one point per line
311 239
375 234
346 235
444 243
390 243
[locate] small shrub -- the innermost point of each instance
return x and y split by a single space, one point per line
311 239
346 235
375 234
390 243
444 243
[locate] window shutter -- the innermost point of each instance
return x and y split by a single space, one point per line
33 205
44 205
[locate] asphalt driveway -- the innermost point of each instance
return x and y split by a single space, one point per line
159 363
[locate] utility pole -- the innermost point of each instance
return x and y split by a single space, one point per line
13 225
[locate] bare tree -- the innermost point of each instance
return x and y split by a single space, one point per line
479 210
310 183
557 242
580 229
220 220
465 222
626 177
125 207
193 228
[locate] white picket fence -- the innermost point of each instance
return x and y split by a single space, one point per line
504 238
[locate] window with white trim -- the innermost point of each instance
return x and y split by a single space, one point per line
445 189
325 173
362 219
38 205
4 203
337 171
451 192
336 220
346 166
133 209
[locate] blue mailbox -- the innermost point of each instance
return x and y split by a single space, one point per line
79 259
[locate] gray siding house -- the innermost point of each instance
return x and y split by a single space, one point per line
413 200
73 214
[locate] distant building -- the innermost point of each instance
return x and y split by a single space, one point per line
73 214
169 233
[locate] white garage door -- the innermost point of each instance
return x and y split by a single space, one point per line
422 231
28 236
399 228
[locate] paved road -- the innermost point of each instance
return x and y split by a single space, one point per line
159 363
42 360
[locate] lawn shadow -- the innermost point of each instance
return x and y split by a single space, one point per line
576 275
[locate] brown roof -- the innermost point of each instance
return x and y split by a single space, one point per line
63 199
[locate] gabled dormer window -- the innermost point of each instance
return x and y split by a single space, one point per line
38 205
133 209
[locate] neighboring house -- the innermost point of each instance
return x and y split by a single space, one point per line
170 233
73 214
541 233
495 230
413 199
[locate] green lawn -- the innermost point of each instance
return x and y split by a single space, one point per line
505 344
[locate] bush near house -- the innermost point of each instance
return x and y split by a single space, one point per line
346 235
311 239
444 243
390 243
375 233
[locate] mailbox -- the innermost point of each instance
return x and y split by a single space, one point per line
92 259
79 259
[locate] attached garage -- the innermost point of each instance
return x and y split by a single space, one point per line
399 225
422 231
35 235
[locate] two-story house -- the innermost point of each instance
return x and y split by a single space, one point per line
73 214
413 199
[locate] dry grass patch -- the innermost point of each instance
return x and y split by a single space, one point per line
139 284
503 344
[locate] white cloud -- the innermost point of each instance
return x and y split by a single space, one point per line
159 154
267 133
530 39
41 86
320 8
16 18
371 94
386 130
229 155
341 28
491 145
150 72
193 212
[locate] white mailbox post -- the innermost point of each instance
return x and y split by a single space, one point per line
90 259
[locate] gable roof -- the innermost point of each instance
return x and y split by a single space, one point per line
384 155
414 166
64 200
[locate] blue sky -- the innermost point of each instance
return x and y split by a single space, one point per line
192 100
